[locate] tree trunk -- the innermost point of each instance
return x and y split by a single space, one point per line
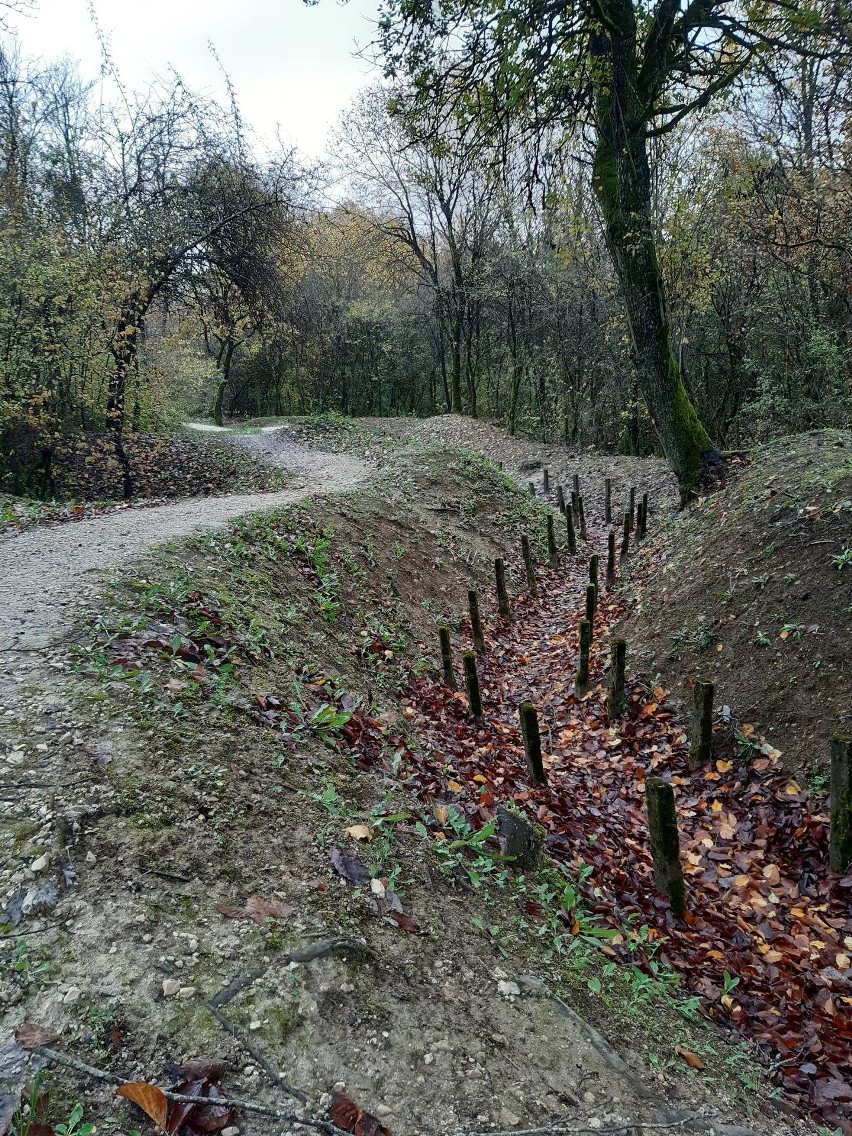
622 185
123 349
224 361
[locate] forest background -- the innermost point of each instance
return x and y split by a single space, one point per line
157 264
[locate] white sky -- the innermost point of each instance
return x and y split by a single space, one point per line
291 65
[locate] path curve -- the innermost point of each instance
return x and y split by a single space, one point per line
48 574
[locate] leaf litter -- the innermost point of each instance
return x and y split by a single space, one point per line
766 941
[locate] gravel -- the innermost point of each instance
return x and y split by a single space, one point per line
47 575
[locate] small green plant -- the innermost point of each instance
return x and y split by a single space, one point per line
843 559
25 965
74 1125
699 638
762 639
792 631
324 722
729 983
468 851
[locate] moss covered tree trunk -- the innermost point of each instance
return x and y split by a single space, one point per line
622 184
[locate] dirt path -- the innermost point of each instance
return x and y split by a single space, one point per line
48 574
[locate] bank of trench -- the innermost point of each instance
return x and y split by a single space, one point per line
765 944
228 720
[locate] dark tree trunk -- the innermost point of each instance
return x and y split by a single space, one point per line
123 349
622 185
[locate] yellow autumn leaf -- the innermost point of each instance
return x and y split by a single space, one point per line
454 787
359 832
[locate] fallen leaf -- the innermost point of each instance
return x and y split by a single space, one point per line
348 1116
692 1059
260 909
202 1069
359 832
231 912
348 865
29 1035
403 921
149 1098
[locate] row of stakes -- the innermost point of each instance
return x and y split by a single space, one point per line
659 794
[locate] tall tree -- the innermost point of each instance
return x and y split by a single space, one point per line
628 71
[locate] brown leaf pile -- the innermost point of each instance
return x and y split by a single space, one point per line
763 905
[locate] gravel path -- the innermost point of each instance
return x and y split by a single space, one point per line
48 574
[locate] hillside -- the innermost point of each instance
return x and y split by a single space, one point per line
753 590
249 822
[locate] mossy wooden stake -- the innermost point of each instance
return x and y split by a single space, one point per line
471 681
546 481
447 658
532 742
560 498
608 500
582 517
572 539
625 540
615 696
643 517
581 681
593 569
552 551
632 509
531 485
528 565
665 843
840 845
591 602
502 594
701 742
575 482
475 619
611 573
500 466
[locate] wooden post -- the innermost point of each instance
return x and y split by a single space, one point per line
552 551
502 594
593 569
632 506
575 482
572 539
615 697
532 742
625 540
560 498
611 576
608 500
532 488
643 517
701 743
840 845
546 481
500 466
475 620
665 843
591 602
471 680
582 518
581 682
528 564
447 657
